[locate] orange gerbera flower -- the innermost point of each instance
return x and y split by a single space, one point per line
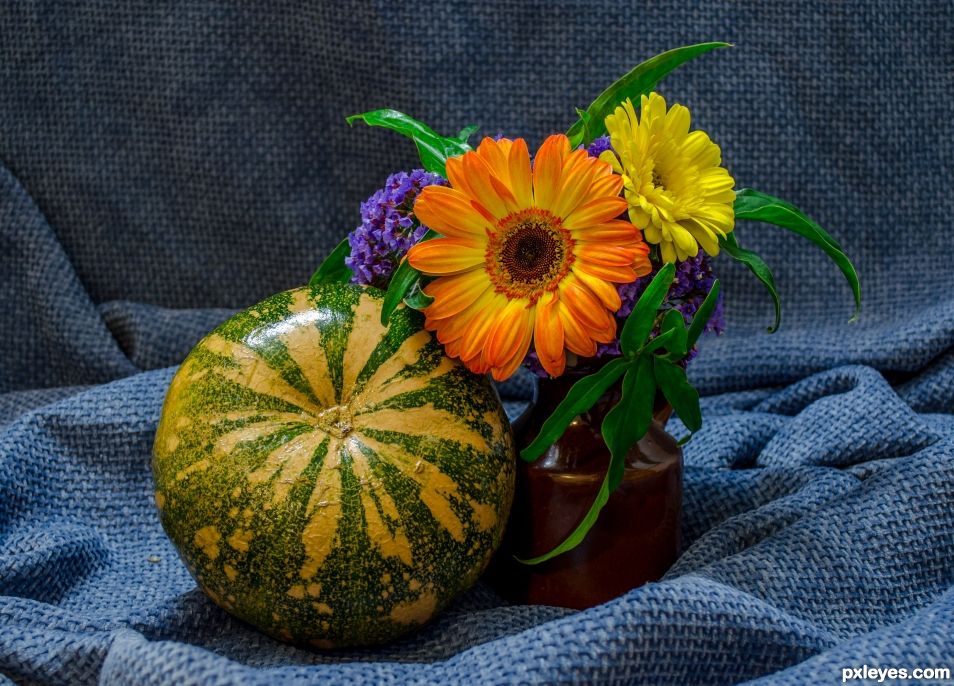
528 255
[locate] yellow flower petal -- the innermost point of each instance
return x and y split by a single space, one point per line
678 193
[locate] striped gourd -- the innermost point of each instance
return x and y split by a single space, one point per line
328 479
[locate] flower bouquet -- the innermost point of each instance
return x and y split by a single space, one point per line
590 259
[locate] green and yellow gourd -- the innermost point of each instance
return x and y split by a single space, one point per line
328 479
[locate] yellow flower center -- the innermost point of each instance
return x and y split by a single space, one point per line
529 254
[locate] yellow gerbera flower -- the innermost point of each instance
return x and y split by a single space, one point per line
528 254
677 192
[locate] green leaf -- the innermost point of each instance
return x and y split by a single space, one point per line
467 132
581 397
758 267
674 323
630 418
586 120
622 427
333 269
701 318
639 323
575 538
674 385
403 280
657 342
641 80
756 206
433 148
417 299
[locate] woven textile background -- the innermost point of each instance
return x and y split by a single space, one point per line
163 163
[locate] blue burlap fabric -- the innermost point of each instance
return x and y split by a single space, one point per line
165 163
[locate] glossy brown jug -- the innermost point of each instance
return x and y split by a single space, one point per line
635 539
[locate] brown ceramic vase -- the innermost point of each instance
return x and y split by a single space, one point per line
635 539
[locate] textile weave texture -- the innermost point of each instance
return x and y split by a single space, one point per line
162 164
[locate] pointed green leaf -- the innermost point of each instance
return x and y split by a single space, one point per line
641 80
333 269
623 426
756 206
639 323
657 342
575 538
432 148
417 299
674 323
467 132
701 318
630 418
403 280
581 397
586 121
672 381
758 267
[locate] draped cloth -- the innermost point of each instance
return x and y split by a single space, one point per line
163 164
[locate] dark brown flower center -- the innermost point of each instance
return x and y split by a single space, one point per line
532 252
529 253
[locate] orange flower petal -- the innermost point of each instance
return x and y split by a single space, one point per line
609 184
452 348
453 294
578 174
505 195
605 253
457 177
455 327
584 306
504 334
494 153
505 343
505 372
605 291
479 177
641 264
616 231
575 336
450 212
486 310
476 364
596 211
504 144
547 169
605 272
443 256
548 336
518 162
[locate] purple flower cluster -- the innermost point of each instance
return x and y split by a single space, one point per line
388 227
599 146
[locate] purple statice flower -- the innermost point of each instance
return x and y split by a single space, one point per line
599 146
388 227
689 289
